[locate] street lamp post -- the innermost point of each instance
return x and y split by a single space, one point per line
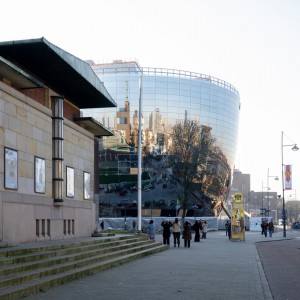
294 148
275 178
263 210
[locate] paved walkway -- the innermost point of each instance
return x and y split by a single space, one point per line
215 268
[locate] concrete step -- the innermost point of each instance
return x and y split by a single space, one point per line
20 277
19 256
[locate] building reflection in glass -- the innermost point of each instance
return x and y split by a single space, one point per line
169 96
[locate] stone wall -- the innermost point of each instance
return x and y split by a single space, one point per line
26 126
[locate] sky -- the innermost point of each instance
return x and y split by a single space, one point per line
252 44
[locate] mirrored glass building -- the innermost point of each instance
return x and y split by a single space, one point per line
168 96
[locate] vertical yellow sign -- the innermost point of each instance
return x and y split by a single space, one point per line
238 218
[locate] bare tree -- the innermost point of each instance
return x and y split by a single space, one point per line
191 144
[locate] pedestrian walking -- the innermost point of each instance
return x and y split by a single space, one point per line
187 234
264 227
166 231
229 230
204 229
102 225
176 232
226 227
151 230
196 228
271 228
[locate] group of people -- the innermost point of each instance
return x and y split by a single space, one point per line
267 227
200 228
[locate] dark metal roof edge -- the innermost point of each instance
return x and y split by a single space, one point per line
20 71
75 63
94 122
82 68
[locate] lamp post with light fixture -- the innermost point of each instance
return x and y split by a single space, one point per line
294 148
263 210
275 178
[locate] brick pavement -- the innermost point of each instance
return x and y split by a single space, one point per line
281 264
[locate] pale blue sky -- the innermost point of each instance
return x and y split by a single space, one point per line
252 44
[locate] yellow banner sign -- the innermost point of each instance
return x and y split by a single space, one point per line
238 218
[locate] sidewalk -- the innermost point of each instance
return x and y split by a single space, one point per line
215 268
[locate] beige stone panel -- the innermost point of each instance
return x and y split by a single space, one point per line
75 139
26 156
70 148
26 130
21 114
68 213
78 194
57 212
26 169
75 161
10 139
11 94
18 222
11 196
5 120
68 161
44 151
68 136
37 134
36 199
81 163
26 186
10 108
47 138
79 185
42 124
78 150
87 204
21 142
14 124
1 118
31 146
1 170
31 119
84 222
72 203
2 132
1 102
87 165
47 201
35 107
49 171
56 229
48 192
43 212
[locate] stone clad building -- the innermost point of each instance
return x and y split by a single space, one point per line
48 179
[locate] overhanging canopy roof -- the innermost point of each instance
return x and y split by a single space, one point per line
64 73
93 126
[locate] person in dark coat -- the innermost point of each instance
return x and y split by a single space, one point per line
187 234
226 227
264 227
271 228
196 228
229 230
166 231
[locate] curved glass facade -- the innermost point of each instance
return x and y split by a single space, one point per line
167 97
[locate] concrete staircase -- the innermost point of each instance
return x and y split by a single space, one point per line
32 268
